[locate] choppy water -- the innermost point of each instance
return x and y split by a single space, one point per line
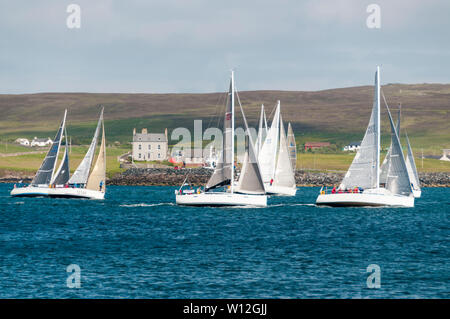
138 244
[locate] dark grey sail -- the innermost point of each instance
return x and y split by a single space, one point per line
45 173
222 172
63 174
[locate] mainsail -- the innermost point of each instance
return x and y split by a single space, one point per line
397 177
96 180
223 172
81 174
284 174
364 169
268 153
45 173
411 166
386 162
63 173
292 147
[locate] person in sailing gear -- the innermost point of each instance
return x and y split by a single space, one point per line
101 185
271 181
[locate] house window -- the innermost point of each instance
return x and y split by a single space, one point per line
139 155
159 155
159 146
149 156
149 146
140 146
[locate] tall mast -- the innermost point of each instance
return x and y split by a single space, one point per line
232 131
378 126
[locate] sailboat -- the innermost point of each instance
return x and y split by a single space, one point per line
85 183
361 184
249 189
410 164
275 160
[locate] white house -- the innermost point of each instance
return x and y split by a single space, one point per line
149 146
41 141
446 155
23 141
352 147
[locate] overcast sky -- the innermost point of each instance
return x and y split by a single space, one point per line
190 46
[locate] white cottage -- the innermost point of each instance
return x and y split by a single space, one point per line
149 146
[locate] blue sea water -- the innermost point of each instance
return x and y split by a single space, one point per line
138 244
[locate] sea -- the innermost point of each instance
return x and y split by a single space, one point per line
138 244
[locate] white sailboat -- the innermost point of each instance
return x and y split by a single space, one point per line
249 190
83 184
361 184
275 161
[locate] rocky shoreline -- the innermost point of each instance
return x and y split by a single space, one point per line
199 176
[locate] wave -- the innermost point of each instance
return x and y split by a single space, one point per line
146 205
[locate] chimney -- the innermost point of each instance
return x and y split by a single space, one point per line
165 132
134 131
144 131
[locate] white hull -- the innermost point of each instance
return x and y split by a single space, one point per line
280 190
365 199
417 193
33 191
221 199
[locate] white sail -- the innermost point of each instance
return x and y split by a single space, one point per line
97 179
224 171
411 167
63 173
284 174
398 180
268 153
364 170
386 162
46 172
81 174
262 131
250 180
292 147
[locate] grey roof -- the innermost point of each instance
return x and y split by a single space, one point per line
355 144
149 137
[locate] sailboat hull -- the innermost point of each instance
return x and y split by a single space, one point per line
33 191
280 190
364 199
221 199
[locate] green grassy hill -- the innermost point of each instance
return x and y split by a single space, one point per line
336 115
